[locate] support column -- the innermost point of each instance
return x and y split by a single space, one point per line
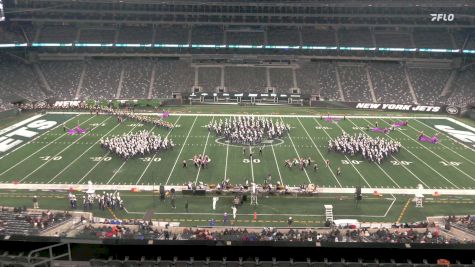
409 84
268 77
81 80
340 89
152 81
370 84
119 87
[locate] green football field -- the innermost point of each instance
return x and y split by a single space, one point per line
52 159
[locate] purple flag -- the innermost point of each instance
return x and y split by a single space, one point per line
331 119
165 114
77 130
433 140
381 130
400 124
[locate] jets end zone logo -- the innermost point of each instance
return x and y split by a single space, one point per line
19 133
452 110
442 17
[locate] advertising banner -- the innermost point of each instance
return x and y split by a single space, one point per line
389 107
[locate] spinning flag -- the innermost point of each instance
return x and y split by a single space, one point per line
433 140
331 119
381 130
400 124
77 130
165 114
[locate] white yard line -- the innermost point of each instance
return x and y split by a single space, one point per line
93 167
389 176
310 181
39 136
31 155
277 165
390 206
100 161
226 164
154 155
123 164
435 154
204 151
322 190
64 149
252 165
80 156
319 152
362 177
116 172
425 163
181 150
266 214
450 138
21 123
457 122
402 165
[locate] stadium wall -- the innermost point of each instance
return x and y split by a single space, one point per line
84 250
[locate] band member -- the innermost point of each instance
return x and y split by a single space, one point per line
338 171
184 163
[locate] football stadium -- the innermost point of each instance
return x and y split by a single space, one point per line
237 133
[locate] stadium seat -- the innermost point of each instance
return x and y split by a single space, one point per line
148 263
98 263
131 263
115 263
217 264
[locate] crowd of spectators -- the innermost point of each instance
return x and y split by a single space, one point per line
172 76
245 79
63 77
318 78
281 79
209 78
5 106
389 83
420 232
100 79
140 232
467 222
24 222
136 79
428 83
19 81
463 88
354 83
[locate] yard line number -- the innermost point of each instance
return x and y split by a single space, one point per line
101 158
249 161
148 159
393 162
450 163
46 158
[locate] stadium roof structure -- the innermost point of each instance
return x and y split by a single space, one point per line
319 13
